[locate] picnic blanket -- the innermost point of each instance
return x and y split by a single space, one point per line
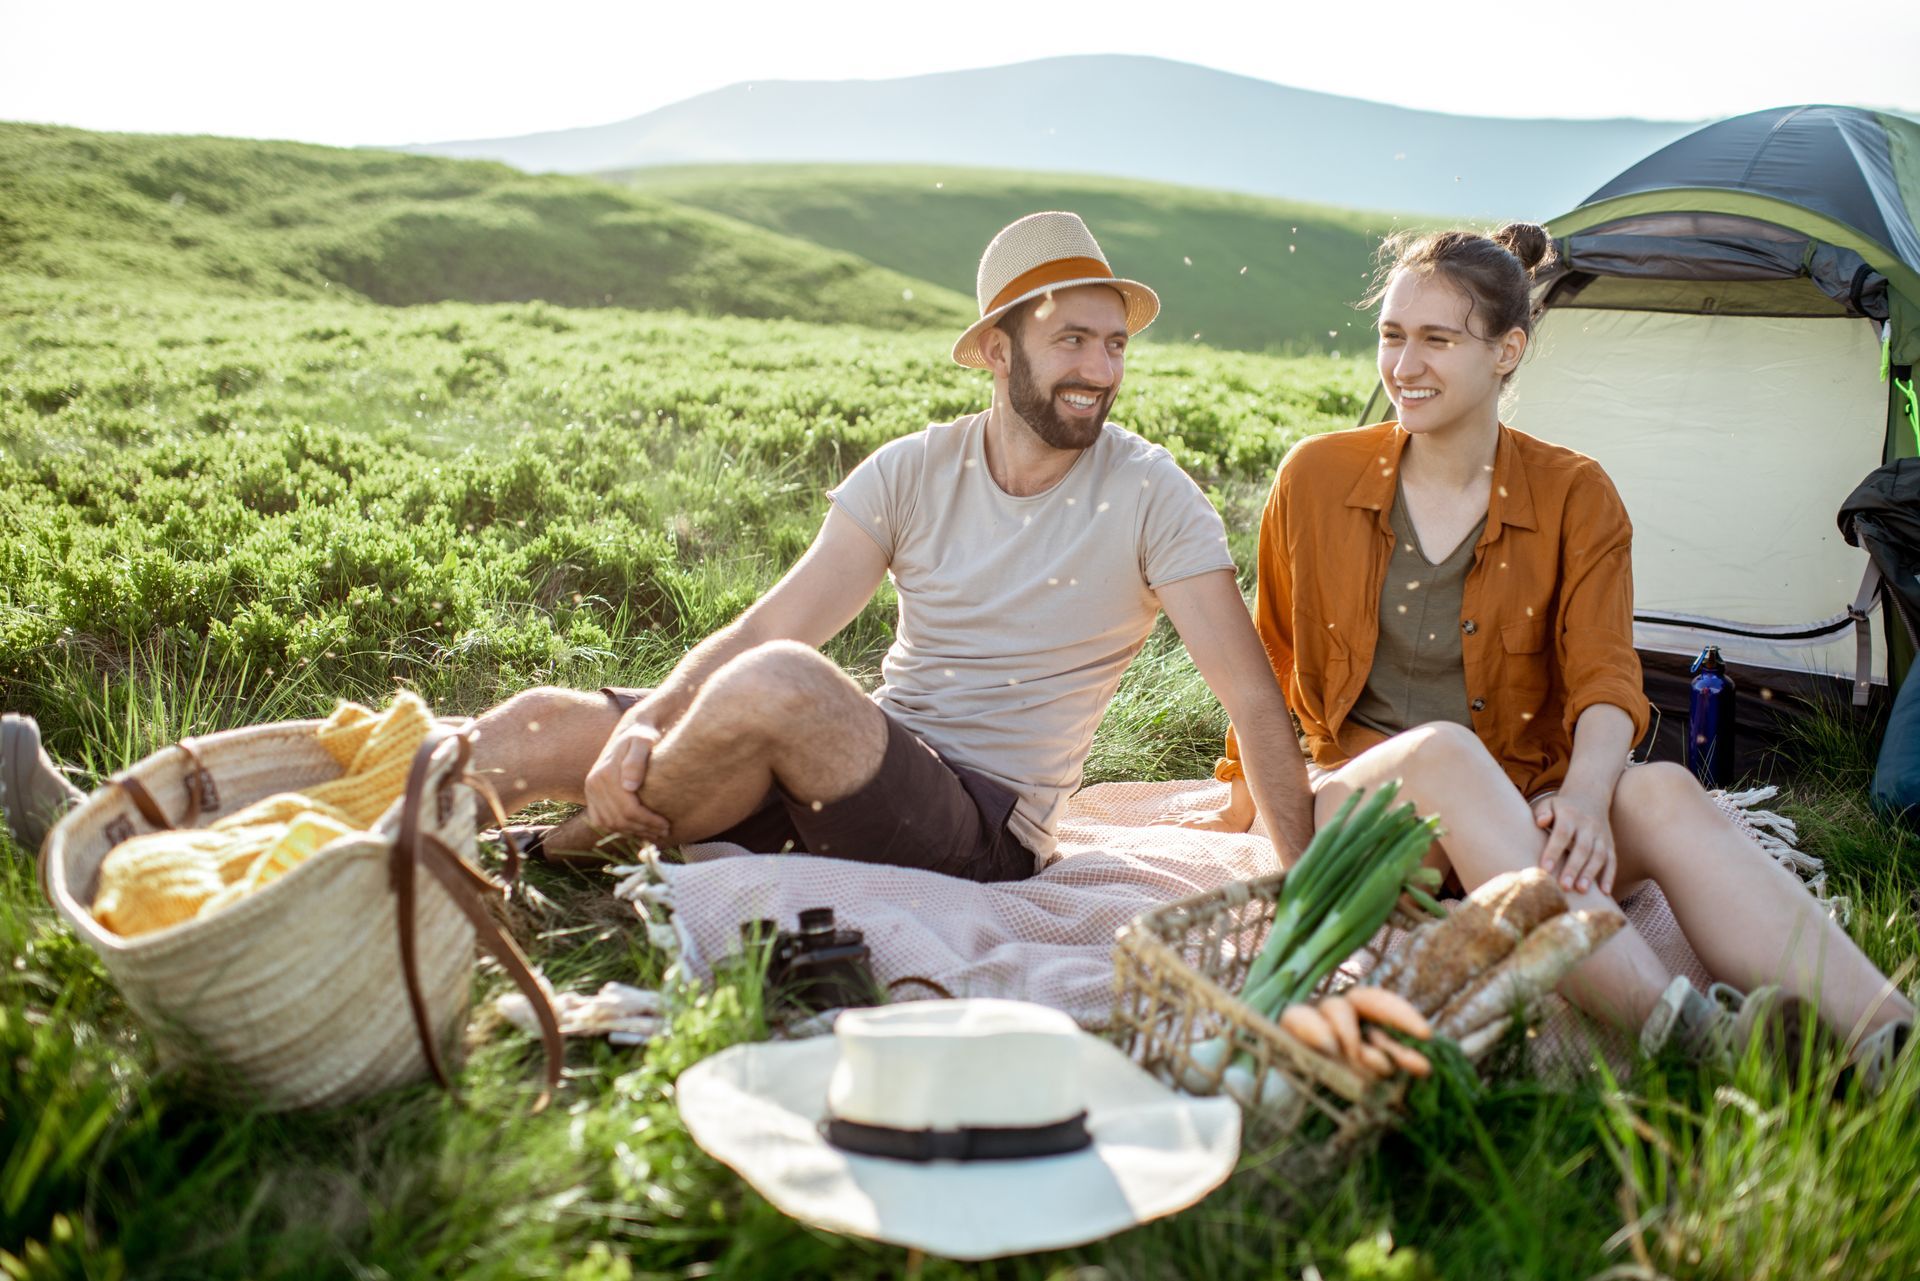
1050 939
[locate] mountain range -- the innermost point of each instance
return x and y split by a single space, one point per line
1127 116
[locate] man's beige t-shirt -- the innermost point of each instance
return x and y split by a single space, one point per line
1018 615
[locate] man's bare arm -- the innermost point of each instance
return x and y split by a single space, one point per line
823 592
1211 617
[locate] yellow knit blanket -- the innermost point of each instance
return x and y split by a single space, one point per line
150 882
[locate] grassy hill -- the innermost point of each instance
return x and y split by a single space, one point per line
1244 272
881 246
283 219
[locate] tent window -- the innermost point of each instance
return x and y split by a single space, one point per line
1797 296
1695 225
1713 264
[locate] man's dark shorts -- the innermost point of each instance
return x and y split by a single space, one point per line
917 811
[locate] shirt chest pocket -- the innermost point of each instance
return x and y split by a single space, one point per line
1526 662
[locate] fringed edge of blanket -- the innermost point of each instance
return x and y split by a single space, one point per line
1780 838
644 886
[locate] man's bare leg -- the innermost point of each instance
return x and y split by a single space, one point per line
780 711
1750 919
538 746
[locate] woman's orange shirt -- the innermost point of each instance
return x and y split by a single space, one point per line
1546 616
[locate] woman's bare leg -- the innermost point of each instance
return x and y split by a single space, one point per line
1749 919
1444 769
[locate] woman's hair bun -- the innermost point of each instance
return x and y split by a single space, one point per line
1526 241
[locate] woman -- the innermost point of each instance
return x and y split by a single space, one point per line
1449 602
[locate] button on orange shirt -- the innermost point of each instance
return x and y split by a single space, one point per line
1546 618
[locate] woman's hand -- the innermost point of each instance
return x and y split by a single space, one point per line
1580 842
1580 845
1236 815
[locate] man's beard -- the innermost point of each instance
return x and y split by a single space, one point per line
1037 410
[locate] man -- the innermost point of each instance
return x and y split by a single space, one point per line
1032 546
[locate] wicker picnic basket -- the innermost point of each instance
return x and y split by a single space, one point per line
349 974
1176 969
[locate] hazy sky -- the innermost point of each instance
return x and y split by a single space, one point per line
349 71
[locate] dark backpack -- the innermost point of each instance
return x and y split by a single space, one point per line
1882 517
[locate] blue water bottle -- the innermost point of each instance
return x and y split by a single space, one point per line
1710 740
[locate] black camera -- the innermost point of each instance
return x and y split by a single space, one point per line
818 967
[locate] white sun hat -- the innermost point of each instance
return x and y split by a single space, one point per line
1007 1129
1039 254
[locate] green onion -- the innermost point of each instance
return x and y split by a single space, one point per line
1339 894
1322 869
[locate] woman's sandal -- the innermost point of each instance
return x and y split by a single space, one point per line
1874 1059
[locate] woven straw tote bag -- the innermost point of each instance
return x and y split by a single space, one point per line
349 974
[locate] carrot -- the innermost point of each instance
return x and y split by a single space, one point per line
1372 1061
1310 1027
1406 1058
1389 1010
1346 1025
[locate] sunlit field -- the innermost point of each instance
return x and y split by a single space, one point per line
227 505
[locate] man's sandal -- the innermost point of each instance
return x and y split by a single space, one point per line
33 792
530 841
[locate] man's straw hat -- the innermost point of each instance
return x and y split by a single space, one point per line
969 1129
1038 254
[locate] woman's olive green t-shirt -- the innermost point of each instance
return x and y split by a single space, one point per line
1419 673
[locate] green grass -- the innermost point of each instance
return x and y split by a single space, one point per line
1245 272
330 496
232 217
217 509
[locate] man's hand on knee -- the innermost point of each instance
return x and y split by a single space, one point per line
613 785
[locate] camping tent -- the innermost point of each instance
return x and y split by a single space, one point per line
1731 331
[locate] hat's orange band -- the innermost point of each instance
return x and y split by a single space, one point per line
1050 273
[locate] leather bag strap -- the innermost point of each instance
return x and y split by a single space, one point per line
465 885
459 879
199 787
142 799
